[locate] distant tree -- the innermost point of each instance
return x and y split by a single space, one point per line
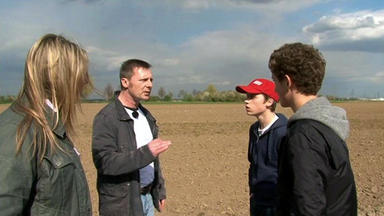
168 97
211 89
181 93
108 92
232 96
161 93
188 97
211 93
7 99
154 98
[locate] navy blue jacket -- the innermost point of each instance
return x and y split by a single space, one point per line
263 158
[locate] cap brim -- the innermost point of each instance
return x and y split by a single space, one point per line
240 89
247 89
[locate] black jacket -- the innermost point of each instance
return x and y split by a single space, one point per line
118 161
315 174
263 156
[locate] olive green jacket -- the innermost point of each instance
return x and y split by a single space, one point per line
55 186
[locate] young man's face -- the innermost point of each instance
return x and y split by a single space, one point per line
255 104
282 90
139 86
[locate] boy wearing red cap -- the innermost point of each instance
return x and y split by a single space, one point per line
265 136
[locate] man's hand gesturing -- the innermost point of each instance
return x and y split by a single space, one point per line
158 146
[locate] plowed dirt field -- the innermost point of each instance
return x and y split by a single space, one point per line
206 166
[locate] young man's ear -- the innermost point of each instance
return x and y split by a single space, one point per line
269 102
288 81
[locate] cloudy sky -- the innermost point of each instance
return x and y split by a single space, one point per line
193 43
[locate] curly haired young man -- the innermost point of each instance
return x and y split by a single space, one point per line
315 173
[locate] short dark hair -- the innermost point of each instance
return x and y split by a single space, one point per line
126 69
304 64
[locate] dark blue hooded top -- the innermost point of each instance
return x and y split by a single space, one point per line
263 158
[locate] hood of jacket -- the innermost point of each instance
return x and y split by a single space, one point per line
320 109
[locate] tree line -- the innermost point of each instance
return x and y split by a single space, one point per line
7 99
210 94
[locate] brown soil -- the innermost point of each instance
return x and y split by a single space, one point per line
206 166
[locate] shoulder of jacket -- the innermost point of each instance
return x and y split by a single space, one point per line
314 135
10 117
301 123
254 126
147 113
108 109
107 113
280 124
302 127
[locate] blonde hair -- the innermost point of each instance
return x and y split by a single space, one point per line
55 69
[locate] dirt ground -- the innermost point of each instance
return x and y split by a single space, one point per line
206 166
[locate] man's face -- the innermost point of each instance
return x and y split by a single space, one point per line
282 90
255 104
140 84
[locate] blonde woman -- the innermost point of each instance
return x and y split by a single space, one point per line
40 169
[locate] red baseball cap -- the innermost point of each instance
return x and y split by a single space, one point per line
258 86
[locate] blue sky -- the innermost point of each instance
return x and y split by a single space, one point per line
193 43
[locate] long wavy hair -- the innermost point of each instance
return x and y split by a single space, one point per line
55 69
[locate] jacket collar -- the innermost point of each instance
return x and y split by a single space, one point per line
123 115
59 131
280 122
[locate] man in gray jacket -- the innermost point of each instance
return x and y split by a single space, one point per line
125 148
315 173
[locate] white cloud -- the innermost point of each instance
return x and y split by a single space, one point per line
186 50
351 65
353 71
363 30
261 5
171 62
108 59
224 58
377 77
17 35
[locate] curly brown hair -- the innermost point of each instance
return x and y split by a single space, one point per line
304 64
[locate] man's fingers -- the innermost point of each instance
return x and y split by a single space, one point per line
158 146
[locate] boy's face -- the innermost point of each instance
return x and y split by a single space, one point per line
281 88
255 104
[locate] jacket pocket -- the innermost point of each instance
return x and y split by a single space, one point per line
114 199
114 190
57 182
